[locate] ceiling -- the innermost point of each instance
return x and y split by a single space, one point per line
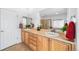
26 10
42 11
53 11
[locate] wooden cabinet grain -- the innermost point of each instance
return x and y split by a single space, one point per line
22 35
33 41
42 43
39 43
56 45
26 38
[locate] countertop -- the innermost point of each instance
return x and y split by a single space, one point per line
60 37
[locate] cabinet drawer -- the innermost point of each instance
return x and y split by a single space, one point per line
32 38
56 45
33 42
33 47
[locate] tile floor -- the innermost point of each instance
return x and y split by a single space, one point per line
18 47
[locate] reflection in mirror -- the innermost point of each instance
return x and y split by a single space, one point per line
45 23
53 18
26 21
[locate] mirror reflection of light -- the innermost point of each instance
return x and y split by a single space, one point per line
57 13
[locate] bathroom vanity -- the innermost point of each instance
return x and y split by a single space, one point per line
43 40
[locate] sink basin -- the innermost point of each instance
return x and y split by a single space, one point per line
52 33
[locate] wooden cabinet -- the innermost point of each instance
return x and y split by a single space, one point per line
73 47
42 43
33 41
56 45
26 38
39 43
22 35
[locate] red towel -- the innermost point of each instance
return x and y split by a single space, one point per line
70 33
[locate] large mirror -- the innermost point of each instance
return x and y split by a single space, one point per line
53 18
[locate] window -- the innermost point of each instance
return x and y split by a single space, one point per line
58 23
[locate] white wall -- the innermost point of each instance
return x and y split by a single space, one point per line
74 12
0 26
35 19
19 11
77 30
71 12
6 13
59 16
19 19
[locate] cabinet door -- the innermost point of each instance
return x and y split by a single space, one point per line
51 45
26 35
22 35
73 47
42 43
56 45
39 43
60 46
